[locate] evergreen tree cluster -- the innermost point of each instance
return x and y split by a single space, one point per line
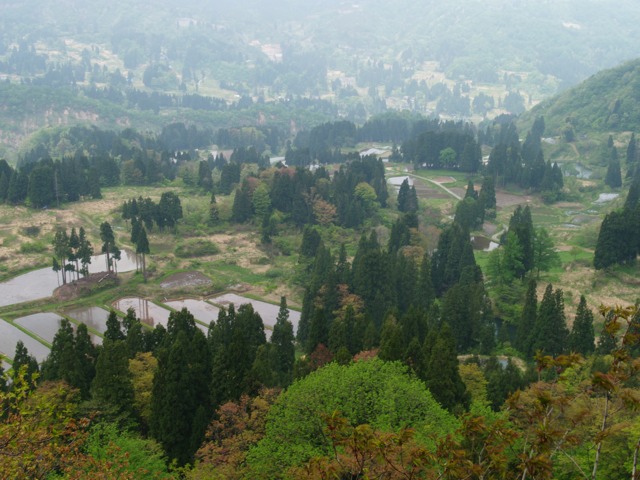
618 240
72 253
144 212
543 326
192 374
523 165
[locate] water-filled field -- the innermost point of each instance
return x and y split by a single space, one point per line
148 312
42 282
46 325
267 311
93 317
202 311
9 337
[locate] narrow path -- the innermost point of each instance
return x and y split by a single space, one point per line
450 192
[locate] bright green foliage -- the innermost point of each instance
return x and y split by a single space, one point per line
181 388
375 392
261 201
145 459
582 337
544 254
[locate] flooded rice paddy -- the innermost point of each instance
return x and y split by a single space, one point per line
9 337
203 312
46 325
267 311
93 317
148 312
42 282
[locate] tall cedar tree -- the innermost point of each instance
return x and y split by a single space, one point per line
108 243
142 249
582 337
443 375
550 332
22 358
282 340
112 385
613 177
522 225
114 327
528 319
180 394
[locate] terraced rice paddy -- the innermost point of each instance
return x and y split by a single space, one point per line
149 313
9 337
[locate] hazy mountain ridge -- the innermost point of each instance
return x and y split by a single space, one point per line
607 101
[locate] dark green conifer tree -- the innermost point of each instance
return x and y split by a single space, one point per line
528 319
613 177
112 385
114 328
61 362
582 337
21 358
282 340
181 388
391 340
550 332
443 375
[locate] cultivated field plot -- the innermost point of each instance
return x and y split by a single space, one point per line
267 311
203 311
9 337
148 312
42 282
45 325
93 317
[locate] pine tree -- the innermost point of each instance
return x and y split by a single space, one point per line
582 337
114 329
443 375
181 388
142 248
85 361
112 383
22 358
391 340
613 177
61 362
528 319
109 243
282 340
550 332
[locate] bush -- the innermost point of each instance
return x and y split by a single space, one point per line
33 247
196 248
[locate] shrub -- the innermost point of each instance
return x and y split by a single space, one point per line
196 248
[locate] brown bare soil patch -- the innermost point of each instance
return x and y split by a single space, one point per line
84 286
185 279
504 199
